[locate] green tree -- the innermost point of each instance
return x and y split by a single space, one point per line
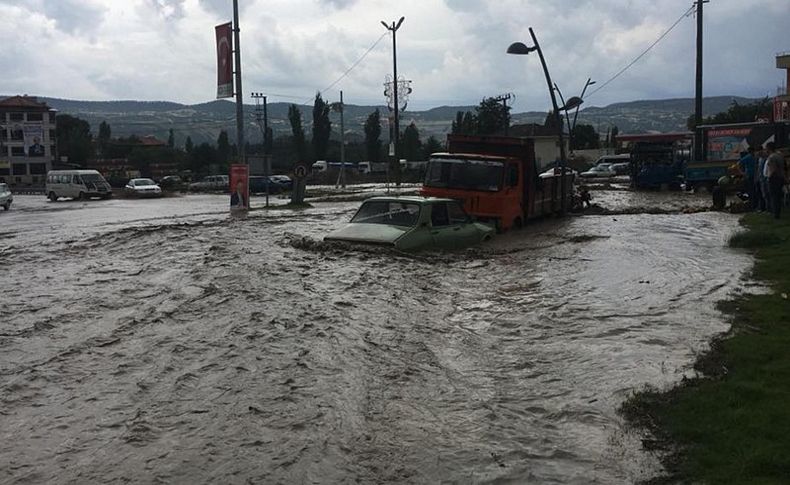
613 137
188 145
372 136
322 127
295 118
171 139
584 137
412 146
737 113
431 146
465 124
74 138
492 116
223 147
103 140
201 158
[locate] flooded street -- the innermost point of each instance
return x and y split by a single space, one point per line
162 341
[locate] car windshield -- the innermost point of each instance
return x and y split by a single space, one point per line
395 213
465 174
141 182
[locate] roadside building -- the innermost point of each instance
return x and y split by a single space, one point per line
150 165
547 146
27 141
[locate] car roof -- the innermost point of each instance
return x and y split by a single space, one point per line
410 198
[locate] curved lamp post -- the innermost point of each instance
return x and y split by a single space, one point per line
519 48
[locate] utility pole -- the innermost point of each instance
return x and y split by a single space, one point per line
394 29
261 118
341 177
504 98
239 101
698 148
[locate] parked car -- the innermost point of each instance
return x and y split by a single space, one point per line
551 172
6 198
598 171
142 188
77 184
211 183
412 223
171 182
621 168
258 185
284 180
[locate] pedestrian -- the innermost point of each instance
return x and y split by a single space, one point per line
747 167
775 165
761 182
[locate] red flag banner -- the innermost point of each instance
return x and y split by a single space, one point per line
224 60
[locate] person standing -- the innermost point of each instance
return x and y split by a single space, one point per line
747 166
775 169
761 182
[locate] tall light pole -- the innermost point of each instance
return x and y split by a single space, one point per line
239 101
519 48
698 149
589 83
394 29
342 176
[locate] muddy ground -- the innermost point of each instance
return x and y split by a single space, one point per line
162 341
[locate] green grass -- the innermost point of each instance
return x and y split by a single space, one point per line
734 425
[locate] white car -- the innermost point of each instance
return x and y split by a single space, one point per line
556 171
212 183
5 196
599 171
143 188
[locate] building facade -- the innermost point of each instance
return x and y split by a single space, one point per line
27 141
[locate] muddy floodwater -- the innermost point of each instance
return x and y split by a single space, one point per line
161 341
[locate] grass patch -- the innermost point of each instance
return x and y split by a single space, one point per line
733 426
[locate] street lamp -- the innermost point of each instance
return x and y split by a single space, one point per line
589 83
394 28
519 48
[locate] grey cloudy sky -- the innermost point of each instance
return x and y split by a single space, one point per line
452 50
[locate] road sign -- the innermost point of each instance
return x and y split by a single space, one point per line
300 170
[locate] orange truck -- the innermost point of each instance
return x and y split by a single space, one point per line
497 179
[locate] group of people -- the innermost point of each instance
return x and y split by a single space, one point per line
765 178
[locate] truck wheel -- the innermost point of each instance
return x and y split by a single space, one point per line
7 206
53 197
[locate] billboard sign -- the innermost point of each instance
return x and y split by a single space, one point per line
224 60
727 144
239 187
34 137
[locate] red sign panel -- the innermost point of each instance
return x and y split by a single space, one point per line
224 60
239 187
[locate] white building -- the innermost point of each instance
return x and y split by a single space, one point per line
27 141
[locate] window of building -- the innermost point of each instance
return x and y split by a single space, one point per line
35 116
17 116
18 180
5 171
19 168
17 151
51 134
38 169
17 133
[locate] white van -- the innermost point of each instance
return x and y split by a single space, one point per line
77 184
611 159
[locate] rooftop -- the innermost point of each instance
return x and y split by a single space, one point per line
24 102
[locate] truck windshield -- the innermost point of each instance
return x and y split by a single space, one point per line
388 212
465 174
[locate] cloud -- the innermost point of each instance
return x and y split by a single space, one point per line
70 16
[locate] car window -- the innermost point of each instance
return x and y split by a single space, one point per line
456 213
439 214
388 212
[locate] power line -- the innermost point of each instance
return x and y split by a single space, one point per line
680 19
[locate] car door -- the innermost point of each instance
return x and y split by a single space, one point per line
450 226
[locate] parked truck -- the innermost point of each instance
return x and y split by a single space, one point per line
497 179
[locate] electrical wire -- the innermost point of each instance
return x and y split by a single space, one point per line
685 14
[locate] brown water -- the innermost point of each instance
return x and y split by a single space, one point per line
160 341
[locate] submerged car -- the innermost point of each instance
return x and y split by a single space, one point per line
5 196
411 223
598 171
143 188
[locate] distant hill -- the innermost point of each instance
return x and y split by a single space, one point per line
204 121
